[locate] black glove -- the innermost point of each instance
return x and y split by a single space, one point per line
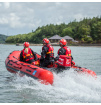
56 58
41 58
71 57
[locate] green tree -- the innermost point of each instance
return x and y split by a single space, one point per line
67 31
77 30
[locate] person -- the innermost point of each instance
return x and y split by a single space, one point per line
47 54
64 50
27 54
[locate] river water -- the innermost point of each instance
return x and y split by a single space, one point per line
68 86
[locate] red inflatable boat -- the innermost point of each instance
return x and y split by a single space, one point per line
44 76
15 66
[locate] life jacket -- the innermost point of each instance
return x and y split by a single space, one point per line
27 56
66 60
50 52
64 51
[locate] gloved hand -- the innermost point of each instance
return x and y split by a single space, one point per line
39 58
56 58
52 61
71 57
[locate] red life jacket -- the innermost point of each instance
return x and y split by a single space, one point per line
27 56
65 59
68 51
49 51
65 51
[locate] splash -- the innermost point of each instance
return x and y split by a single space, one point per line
68 87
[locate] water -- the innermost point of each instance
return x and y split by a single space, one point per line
68 87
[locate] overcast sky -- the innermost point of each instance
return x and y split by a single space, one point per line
23 17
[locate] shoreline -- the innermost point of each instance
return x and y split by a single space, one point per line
55 44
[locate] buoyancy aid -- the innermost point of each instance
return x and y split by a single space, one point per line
27 56
49 51
64 51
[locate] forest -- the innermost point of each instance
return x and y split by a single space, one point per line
88 30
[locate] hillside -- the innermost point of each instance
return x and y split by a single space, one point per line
84 31
2 38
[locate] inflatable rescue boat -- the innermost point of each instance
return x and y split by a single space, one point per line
13 65
45 76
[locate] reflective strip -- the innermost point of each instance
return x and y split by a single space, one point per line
27 55
37 62
49 52
68 55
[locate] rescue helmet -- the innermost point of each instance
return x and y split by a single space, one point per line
63 42
26 44
45 40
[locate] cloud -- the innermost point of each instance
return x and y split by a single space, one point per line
3 20
6 5
14 21
78 17
23 17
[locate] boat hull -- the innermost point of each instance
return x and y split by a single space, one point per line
45 76
13 65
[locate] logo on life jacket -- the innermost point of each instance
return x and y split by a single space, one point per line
64 61
68 61
60 61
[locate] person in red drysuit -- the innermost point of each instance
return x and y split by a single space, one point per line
27 54
47 54
64 50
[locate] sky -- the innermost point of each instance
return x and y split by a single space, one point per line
23 17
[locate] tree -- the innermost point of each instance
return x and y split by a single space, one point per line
67 31
77 30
